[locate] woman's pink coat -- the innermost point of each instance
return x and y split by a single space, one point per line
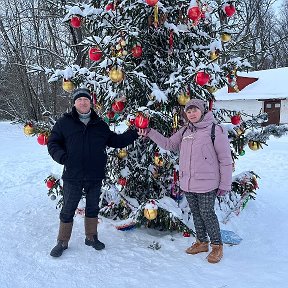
203 166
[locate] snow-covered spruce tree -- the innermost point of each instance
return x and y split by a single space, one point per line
142 61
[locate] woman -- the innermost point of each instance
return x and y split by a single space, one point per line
205 171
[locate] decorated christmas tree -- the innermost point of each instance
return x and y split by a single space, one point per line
143 60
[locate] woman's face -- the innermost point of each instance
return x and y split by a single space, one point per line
193 114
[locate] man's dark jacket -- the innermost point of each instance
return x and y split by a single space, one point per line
82 148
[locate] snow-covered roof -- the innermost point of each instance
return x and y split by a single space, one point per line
270 85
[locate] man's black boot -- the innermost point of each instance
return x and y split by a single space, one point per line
91 233
95 243
58 249
65 230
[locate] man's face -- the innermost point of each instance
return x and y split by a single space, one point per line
82 105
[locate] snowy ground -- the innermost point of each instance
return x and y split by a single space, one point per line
29 225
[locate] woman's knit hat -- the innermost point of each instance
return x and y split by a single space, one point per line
81 92
200 104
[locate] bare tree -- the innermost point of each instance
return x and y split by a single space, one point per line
279 54
32 33
256 34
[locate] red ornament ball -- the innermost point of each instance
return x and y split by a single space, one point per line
151 2
186 234
110 114
118 106
141 121
132 121
122 181
110 6
42 139
75 21
202 78
95 54
50 183
229 10
137 51
194 13
236 119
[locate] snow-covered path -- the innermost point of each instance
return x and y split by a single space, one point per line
29 224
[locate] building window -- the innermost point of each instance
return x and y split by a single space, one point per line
268 105
277 105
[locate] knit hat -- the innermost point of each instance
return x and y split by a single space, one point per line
200 104
81 92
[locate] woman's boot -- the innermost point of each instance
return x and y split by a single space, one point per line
216 253
198 247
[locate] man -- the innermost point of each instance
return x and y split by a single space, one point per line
78 141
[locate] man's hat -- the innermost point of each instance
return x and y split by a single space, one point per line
81 92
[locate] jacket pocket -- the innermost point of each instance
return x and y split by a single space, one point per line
205 175
207 154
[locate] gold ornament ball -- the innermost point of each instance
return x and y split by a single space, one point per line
213 55
122 154
28 130
212 89
159 161
119 53
254 145
239 131
68 86
183 99
116 75
225 37
150 214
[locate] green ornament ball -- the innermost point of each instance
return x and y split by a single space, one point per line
242 153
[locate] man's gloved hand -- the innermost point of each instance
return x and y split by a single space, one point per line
222 192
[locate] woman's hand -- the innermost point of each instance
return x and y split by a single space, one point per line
222 192
143 132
